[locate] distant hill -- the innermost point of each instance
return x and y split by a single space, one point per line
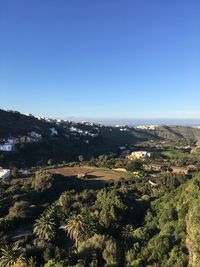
15 123
178 132
73 139
188 132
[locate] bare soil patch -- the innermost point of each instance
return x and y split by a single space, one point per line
93 173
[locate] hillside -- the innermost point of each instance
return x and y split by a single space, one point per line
188 132
73 139
178 132
15 123
92 206
176 215
70 141
132 224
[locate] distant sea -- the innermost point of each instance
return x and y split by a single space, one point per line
136 122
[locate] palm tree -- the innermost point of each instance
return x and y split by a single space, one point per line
65 200
45 226
77 228
127 231
127 235
11 257
31 262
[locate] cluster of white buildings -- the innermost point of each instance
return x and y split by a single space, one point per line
8 144
122 128
32 137
82 132
57 121
147 127
35 135
87 123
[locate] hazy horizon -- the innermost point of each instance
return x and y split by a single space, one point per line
139 121
123 121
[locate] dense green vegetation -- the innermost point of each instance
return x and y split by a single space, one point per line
53 221
146 217
15 123
178 132
67 146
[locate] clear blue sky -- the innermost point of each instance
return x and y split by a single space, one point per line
105 58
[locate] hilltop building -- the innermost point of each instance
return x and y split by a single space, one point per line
147 127
139 155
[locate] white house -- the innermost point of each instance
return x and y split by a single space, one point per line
124 129
4 173
7 147
73 129
93 135
35 135
53 131
120 126
13 140
139 155
87 123
147 127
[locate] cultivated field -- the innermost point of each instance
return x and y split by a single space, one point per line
91 173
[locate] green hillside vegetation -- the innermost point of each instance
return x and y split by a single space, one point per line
129 225
178 132
168 132
77 209
187 132
15 123
64 147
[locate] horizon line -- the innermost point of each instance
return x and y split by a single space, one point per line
102 118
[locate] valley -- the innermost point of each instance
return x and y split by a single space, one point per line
83 194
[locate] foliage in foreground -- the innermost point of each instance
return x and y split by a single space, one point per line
130 225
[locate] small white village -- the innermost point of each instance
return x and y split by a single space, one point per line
10 144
